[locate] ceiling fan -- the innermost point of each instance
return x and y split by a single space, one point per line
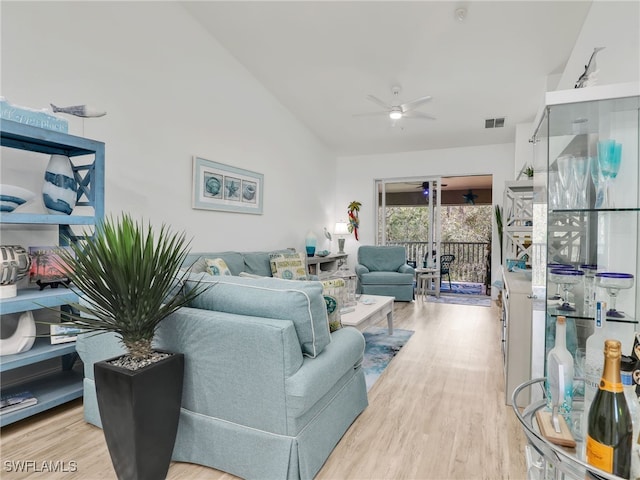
396 110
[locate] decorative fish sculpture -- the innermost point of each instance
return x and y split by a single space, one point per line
79 111
589 76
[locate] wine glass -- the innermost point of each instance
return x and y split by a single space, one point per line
567 278
557 266
566 181
609 157
613 282
580 171
598 182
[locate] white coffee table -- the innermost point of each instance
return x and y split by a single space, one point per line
369 310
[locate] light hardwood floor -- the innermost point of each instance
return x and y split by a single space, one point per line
437 412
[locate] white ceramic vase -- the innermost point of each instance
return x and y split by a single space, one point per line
23 337
60 187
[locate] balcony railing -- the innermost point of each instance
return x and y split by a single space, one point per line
470 265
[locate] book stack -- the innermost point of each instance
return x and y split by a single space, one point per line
16 401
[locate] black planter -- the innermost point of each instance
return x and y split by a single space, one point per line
139 412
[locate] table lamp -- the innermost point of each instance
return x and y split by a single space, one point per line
341 230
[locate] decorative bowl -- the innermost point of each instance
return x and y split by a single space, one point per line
12 197
323 253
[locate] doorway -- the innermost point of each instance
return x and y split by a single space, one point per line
432 216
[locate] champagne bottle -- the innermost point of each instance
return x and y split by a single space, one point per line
559 383
610 430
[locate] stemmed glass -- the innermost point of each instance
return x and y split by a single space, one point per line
609 156
566 278
566 181
554 190
613 282
580 170
557 266
598 182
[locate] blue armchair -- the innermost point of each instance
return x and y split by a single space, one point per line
383 270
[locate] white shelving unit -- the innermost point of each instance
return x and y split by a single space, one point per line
518 219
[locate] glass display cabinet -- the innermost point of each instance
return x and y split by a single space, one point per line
586 247
587 208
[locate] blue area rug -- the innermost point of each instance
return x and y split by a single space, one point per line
478 301
380 349
462 288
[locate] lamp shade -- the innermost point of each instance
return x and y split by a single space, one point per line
341 228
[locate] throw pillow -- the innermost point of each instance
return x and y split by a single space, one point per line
333 291
217 266
289 266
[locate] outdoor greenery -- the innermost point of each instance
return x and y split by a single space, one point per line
459 223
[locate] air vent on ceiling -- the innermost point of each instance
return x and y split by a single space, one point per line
494 122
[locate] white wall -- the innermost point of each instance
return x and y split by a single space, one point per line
615 26
170 92
357 175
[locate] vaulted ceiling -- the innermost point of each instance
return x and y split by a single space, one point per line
322 58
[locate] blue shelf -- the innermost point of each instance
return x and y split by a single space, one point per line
51 391
34 299
65 385
46 219
41 350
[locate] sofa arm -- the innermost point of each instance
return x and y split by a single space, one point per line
405 268
232 360
361 269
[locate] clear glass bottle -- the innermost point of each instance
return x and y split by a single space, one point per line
559 384
610 427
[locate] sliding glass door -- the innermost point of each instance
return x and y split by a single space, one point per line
409 215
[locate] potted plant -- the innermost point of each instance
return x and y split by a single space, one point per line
128 278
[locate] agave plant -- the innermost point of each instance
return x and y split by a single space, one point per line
127 277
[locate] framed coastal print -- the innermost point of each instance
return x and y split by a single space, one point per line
47 268
217 186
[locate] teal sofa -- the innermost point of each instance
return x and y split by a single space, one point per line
383 270
268 390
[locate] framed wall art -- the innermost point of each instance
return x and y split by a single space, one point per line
217 186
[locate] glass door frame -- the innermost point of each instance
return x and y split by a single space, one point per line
434 204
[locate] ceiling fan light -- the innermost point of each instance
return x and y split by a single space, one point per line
395 115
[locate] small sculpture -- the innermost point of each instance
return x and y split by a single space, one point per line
588 78
14 264
79 111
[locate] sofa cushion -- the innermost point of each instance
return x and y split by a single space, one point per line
217 266
289 266
334 291
257 263
386 278
300 302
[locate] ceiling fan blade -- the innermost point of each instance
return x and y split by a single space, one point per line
379 102
418 115
371 114
415 103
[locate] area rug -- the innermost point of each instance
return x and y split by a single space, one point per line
479 301
462 288
380 348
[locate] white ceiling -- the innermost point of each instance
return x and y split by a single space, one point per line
321 59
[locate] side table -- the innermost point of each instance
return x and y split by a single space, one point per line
426 277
